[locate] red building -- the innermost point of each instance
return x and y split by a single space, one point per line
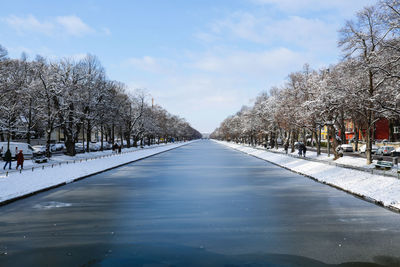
384 130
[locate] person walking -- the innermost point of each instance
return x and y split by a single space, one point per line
7 159
286 147
304 150
20 160
119 149
300 149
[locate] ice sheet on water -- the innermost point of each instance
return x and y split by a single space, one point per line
51 205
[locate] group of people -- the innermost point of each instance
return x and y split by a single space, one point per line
8 159
117 148
301 146
302 149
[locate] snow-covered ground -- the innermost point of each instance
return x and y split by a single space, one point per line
65 169
57 158
373 187
345 160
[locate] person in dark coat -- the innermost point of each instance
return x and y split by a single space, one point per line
304 150
7 159
300 149
119 148
20 160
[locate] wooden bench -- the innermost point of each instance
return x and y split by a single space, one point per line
381 164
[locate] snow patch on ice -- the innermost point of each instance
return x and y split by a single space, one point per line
51 205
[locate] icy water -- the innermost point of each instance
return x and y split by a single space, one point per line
199 205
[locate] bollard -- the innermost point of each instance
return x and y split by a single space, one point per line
32 168
20 170
67 162
43 167
6 173
52 165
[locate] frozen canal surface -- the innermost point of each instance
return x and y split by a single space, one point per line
198 205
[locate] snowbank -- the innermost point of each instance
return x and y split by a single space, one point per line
379 189
16 185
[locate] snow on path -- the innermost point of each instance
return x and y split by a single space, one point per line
373 187
16 184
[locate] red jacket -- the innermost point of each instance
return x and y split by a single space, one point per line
20 158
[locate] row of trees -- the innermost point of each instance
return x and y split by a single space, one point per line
40 96
363 87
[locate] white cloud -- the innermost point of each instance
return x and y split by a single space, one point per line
242 25
73 25
345 6
61 25
307 33
151 64
29 23
251 64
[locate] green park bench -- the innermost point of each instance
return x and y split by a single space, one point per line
381 164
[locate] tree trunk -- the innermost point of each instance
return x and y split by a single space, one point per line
101 134
70 145
294 136
83 135
122 137
328 147
128 140
88 135
356 138
368 146
8 136
342 127
48 141
113 133
318 137
28 134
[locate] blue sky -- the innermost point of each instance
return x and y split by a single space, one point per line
200 59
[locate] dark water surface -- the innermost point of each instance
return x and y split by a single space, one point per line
199 205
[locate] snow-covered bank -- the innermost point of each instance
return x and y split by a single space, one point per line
380 189
17 185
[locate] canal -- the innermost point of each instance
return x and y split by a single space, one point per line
199 205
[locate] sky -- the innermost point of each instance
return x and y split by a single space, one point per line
199 59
